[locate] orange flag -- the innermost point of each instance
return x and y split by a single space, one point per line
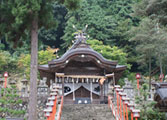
102 80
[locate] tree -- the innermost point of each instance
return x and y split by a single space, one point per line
145 42
52 37
92 15
21 18
43 57
157 10
108 21
149 43
110 53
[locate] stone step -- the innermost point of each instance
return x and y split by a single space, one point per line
86 112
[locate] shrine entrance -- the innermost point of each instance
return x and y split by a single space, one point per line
82 73
82 93
80 89
82 96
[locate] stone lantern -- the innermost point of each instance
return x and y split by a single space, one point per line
128 89
1 82
24 89
42 88
24 82
12 82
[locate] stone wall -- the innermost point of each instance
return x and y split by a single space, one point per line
42 95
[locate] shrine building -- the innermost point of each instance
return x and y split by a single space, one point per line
84 74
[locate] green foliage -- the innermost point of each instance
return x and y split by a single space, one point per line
51 37
93 15
43 57
153 27
9 102
7 62
156 9
107 21
150 42
17 17
121 82
110 53
131 76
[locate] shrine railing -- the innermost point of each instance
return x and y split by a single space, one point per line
54 104
60 109
121 105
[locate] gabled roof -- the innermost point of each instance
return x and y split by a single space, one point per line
161 96
82 50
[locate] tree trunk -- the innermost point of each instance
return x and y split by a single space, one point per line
160 62
33 71
149 73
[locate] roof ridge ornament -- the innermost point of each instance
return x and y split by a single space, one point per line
80 35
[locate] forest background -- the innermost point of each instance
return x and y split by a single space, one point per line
130 31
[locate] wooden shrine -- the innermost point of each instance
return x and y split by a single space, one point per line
83 73
160 96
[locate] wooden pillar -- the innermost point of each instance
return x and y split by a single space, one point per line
101 92
114 79
73 90
55 79
91 97
62 87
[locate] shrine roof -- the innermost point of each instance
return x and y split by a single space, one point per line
160 96
120 67
82 52
43 67
162 93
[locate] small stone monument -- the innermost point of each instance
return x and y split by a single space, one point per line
43 87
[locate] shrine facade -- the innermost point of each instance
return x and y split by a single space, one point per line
84 74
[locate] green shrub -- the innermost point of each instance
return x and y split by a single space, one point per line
8 103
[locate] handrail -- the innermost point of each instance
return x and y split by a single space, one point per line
61 107
114 111
52 116
121 102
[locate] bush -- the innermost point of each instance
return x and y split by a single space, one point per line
9 102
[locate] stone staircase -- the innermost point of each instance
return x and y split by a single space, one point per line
86 112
